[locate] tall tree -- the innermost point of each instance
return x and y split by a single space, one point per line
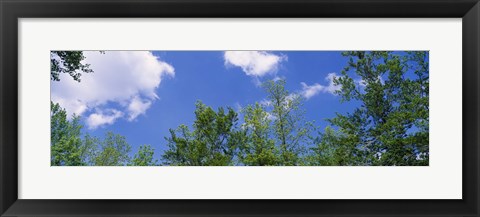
66 144
67 62
184 149
330 150
91 146
390 127
290 127
213 141
258 148
113 150
144 157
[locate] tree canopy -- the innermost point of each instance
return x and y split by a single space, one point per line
213 141
390 125
69 62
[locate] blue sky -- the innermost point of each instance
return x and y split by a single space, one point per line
142 94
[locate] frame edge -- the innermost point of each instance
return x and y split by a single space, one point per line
9 111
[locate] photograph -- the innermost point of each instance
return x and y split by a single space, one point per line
239 108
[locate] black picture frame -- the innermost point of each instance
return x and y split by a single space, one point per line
12 10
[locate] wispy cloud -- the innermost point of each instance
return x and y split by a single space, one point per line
103 117
308 91
254 63
265 102
123 81
137 107
362 83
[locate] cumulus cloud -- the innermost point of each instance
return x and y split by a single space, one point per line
254 63
137 107
102 118
308 91
122 81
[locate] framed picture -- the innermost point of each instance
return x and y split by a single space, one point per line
255 108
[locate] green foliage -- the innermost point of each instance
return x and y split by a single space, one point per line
258 148
390 127
67 62
68 148
212 142
266 138
328 150
112 151
290 128
66 145
91 146
144 157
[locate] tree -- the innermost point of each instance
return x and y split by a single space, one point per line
144 157
290 128
68 148
329 150
67 62
213 141
183 149
66 144
113 150
390 127
258 148
91 147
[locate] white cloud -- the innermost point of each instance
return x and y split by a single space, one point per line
238 107
270 116
363 83
309 91
137 107
265 102
122 80
278 78
254 63
331 88
269 103
102 118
